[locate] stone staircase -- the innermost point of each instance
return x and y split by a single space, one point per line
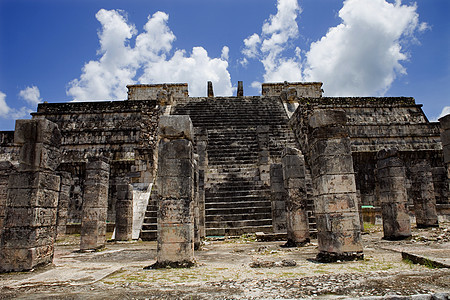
236 199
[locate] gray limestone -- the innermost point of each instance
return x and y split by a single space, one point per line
176 193
445 139
63 203
240 89
32 202
392 195
95 205
338 224
278 196
423 195
124 212
210 89
297 225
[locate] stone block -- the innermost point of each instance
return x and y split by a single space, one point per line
396 223
175 187
330 146
393 184
37 131
175 252
175 211
36 180
176 127
396 196
175 149
336 203
92 234
334 184
332 165
32 217
176 233
96 168
328 117
176 167
28 237
325 133
39 157
29 197
340 242
94 213
337 222
391 172
18 260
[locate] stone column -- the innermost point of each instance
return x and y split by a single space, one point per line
124 212
338 225
6 169
175 183
392 195
197 237
240 89
63 203
264 153
423 195
202 142
210 90
278 196
296 202
95 205
31 209
445 140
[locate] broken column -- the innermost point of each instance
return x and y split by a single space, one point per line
175 183
95 205
240 89
424 199
124 212
445 140
338 225
63 203
392 195
31 208
210 90
296 201
278 196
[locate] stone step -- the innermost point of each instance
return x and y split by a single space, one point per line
241 211
237 231
149 235
249 204
239 223
151 226
237 217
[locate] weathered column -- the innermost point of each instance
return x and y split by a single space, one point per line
423 195
6 169
278 196
264 153
296 202
338 225
240 89
201 136
175 183
95 205
392 195
210 90
63 203
445 140
31 208
197 237
124 212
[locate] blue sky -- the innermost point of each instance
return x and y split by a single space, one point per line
66 50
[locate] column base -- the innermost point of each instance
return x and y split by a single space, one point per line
171 264
328 257
291 243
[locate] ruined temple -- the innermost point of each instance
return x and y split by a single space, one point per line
288 161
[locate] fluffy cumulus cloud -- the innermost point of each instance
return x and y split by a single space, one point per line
277 34
361 56
445 111
31 94
12 113
149 61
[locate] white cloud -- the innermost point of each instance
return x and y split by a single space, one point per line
277 34
12 113
362 55
31 94
445 111
119 64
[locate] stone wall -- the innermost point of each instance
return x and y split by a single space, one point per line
302 89
125 132
175 91
376 123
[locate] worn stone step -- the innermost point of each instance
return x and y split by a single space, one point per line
249 212
237 231
237 217
149 226
240 223
148 235
250 203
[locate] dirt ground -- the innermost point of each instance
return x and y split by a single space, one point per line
226 270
